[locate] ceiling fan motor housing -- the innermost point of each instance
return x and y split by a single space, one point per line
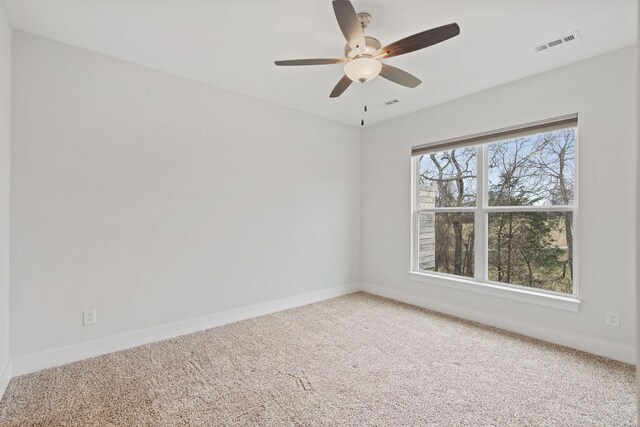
365 19
373 45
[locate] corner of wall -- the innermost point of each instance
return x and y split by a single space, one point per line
6 48
361 206
5 377
637 227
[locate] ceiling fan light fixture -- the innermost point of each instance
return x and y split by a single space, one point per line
362 69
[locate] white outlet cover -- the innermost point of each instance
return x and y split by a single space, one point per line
613 318
89 317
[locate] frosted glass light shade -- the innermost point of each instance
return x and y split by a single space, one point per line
362 69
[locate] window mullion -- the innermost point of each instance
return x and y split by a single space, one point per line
448 209
531 208
480 227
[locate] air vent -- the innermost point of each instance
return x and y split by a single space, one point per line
555 43
560 40
391 102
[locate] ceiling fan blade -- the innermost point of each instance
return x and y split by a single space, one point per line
342 85
349 24
419 41
399 76
315 61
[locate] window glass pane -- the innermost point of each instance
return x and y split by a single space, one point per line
532 249
533 171
446 242
447 178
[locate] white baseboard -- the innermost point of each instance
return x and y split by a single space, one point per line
609 349
29 363
5 377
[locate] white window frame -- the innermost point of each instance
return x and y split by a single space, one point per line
480 283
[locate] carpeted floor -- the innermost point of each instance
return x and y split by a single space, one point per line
352 361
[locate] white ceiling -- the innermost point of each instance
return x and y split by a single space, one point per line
232 43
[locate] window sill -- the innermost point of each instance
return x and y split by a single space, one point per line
549 300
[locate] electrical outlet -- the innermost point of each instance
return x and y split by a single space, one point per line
89 317
613 318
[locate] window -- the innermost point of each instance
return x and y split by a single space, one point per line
499 208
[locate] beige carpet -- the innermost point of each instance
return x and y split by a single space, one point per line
352 361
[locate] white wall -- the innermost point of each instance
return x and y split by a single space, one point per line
638 237
156 199
5 162
602 90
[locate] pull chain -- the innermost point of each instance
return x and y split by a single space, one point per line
363 106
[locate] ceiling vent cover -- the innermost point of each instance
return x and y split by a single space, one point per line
557 42
390 102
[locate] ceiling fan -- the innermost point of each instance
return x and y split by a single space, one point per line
364 54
